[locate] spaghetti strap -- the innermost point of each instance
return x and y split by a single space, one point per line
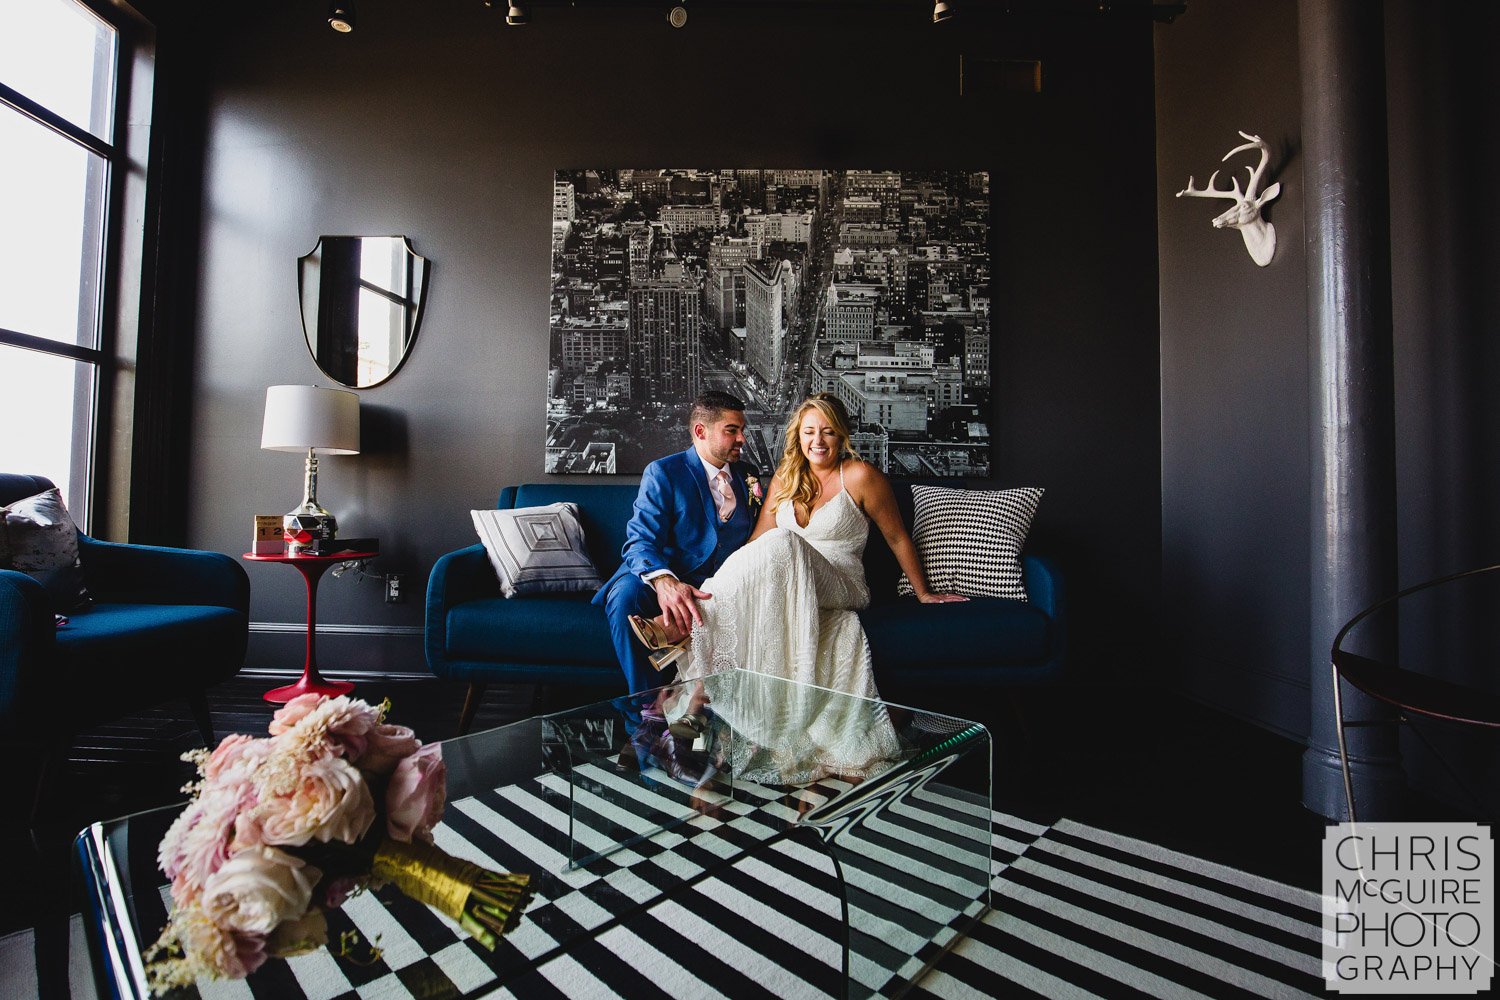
841 474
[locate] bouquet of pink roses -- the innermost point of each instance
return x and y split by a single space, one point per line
281 828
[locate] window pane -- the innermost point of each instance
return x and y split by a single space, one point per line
52 217
47 404
59 54
383 312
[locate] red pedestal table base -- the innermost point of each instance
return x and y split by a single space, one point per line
311 568
309 683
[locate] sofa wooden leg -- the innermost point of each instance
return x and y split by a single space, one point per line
471 706
198 702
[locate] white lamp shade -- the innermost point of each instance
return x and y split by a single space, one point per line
299 417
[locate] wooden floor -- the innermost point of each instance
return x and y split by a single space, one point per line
1124 759
129 765
135 764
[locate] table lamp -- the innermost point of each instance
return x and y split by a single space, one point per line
306 417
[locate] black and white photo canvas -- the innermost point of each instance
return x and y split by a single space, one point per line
770 284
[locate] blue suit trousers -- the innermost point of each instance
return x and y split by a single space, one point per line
630 595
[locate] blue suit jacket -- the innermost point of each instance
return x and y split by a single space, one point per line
675 525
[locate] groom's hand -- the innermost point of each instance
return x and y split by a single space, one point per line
679 601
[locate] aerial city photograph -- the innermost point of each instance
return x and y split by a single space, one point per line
873 285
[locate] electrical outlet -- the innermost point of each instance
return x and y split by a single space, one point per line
393 592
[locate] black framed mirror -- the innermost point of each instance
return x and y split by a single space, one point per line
362 299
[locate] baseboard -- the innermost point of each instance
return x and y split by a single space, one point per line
385 675
1253 694
300 628
342 650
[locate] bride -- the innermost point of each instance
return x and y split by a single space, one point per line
785 604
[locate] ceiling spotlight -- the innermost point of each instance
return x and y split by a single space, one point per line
517 14
941 11
341 16
677 16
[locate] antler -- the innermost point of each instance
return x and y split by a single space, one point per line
1258 172
1209 191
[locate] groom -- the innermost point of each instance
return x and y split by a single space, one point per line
692 512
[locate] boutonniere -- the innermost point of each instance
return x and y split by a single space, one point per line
756 494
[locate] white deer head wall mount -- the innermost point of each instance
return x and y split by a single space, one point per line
1260 235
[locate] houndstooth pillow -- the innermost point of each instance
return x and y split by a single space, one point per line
970 541
537 550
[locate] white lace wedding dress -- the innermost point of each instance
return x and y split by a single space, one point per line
784 605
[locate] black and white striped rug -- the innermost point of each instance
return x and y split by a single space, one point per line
1077 912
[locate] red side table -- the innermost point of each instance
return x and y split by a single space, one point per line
311 568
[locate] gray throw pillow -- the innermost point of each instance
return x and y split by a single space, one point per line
970 541
537 550
41 540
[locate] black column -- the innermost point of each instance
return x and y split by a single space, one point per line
1351 380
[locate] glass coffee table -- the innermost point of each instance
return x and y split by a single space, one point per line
738 835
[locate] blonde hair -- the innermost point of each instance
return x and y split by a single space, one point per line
794 478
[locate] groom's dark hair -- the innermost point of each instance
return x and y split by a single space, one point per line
709 407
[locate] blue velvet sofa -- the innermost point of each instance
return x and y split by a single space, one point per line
165 624
474 634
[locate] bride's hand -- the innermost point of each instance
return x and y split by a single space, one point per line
941 598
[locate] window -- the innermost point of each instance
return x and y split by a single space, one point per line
58 80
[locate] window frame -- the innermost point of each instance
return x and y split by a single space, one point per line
94 457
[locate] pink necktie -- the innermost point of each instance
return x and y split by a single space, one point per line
724 495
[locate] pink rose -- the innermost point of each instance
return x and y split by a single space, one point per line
223 952
257 889
298 937
385 747
293 711
249 951
415 797
199 840
247 831
330 801
346 722
228 752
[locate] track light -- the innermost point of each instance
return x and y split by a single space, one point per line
941 11
341 16
517 15
677 16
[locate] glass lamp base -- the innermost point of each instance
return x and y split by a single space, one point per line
307 533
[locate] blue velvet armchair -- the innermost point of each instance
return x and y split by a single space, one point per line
165 624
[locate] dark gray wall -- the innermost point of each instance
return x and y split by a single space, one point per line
1235 395
1234 405
437 122
1445 256
1445 154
